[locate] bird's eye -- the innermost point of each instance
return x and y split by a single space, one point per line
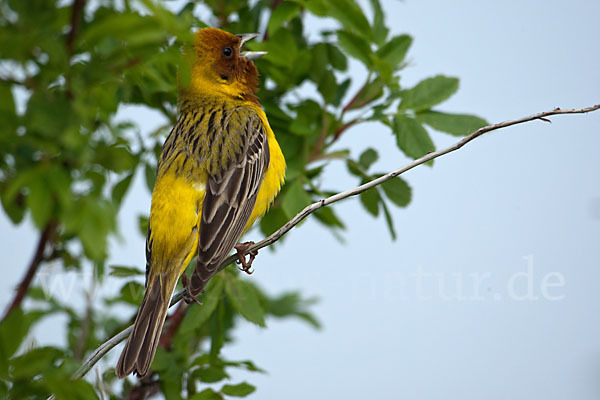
227 52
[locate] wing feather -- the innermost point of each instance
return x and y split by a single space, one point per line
230 198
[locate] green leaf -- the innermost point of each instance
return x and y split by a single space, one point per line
328 86
8 114
34 361
217 329
355 169
122 271
454 124
40 201
171 369
380 31
7 103
428 93
351 16
319 61
12 332
274 219
398 191
42 111
308 114
341 92
119 190
92 219
295 199
250 366
327 216
337 59
411 137
211 373
63 387
244 300
132 293
197 316
117 158
292 304
356 47
143 222
240 390
283 13
132 28
384 70
150 173
394 51
282 48
371 91
389 221
206 394
13 205
319 8
370 200
367 158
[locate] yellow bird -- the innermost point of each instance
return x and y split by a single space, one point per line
220 169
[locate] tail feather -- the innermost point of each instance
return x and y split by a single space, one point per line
142 342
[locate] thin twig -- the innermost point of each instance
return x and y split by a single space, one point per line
45 237
112 342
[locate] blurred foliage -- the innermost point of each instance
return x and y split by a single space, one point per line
65 161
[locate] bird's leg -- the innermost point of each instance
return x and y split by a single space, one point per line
188 297
242 250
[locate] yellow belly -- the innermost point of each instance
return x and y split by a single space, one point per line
174 220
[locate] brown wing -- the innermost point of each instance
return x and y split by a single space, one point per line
230 198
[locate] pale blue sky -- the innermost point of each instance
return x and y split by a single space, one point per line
526 198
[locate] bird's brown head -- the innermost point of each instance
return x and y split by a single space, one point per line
220 67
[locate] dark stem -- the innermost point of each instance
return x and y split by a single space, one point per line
46 237
343 128
147 388
76 14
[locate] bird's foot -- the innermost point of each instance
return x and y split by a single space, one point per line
242 250
188 297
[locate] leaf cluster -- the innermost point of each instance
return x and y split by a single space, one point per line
66 162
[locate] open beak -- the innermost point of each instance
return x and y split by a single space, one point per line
250 55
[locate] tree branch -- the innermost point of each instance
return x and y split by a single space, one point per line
76 14
112 342
45 238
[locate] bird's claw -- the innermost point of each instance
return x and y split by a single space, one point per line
242 250
188 297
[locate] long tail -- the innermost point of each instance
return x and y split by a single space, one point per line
142 342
